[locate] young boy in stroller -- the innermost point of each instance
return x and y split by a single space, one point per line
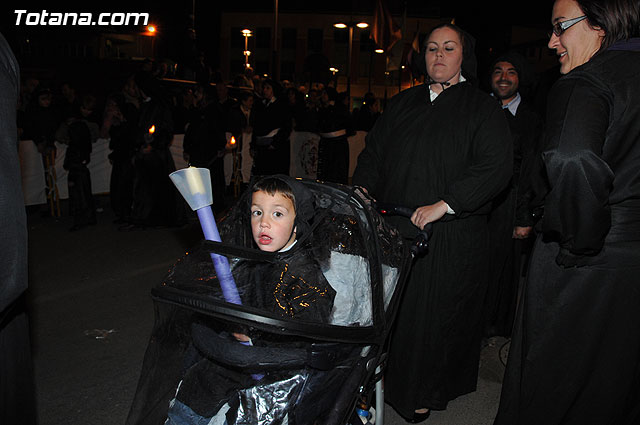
305 366
281 210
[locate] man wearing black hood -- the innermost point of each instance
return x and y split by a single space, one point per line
444 149
511 220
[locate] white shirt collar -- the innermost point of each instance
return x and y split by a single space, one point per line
513 105
433 95
295 241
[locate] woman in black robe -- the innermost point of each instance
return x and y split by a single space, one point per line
575 353
445 147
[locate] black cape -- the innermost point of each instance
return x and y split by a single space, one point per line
456 149
575 353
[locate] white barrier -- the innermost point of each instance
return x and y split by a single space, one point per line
32 169
304 157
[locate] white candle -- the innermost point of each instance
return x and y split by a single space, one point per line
194 180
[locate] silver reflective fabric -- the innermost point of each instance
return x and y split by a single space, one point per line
265 404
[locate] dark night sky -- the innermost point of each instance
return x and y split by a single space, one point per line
488 21
481 14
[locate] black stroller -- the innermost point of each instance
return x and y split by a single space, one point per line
297 372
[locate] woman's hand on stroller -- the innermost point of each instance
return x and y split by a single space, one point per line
363 194
428 214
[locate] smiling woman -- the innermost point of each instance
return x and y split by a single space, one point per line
577 40
575 348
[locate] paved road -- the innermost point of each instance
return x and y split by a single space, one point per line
91 318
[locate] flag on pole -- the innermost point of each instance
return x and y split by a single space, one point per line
385 32
412 49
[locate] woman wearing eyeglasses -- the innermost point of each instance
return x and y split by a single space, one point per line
575 353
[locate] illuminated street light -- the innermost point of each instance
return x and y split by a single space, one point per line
334 71
350 25
152 31
246 33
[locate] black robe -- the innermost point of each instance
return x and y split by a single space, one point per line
510 209
457 149
204 142
271 155
575 353
156 201
333 152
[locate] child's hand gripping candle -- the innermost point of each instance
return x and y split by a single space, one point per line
194 184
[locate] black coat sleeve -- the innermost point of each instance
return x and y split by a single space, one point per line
371 158
577 212
490 169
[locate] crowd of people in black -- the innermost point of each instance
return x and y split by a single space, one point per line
141 118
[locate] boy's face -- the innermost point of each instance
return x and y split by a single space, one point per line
272 219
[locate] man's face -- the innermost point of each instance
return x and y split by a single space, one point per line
504 81
267 91
248 102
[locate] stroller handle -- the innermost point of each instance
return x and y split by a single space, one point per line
229 352
420 243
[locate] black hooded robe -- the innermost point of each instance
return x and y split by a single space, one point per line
510 209
457 149
575 353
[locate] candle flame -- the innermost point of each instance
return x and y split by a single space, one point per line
232 141
152 129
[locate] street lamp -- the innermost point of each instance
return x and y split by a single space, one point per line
246 33
334 71
151 31
350 26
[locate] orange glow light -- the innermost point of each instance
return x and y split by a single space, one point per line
232 141
152 129
151 29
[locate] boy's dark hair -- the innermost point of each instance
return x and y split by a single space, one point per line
273 185
301 198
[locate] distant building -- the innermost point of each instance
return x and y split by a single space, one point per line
306 39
